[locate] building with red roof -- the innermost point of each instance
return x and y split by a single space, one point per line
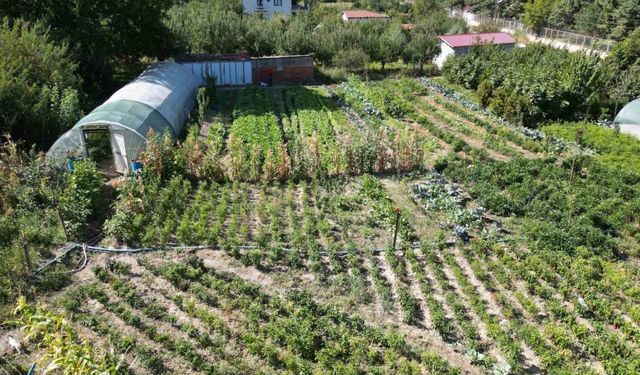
459 44
362 16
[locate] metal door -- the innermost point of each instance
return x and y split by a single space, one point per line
120 161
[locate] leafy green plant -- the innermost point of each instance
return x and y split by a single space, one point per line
60 345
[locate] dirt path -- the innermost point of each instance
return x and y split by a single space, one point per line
444 147
172 365
483 330
531 358
390 280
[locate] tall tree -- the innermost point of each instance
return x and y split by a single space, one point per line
421 49
623 68
297 38
626 18
202 27
261 37
536 14
38 87
100 32
390 44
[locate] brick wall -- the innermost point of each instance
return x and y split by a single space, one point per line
284 69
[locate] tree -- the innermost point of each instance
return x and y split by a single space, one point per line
202 27
354 59
261 37
297 38
532 84
623 69
39 96
426 8
390 44
41 206
421 49
536 14
100 33
626 19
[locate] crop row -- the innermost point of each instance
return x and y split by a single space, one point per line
254 139
295 333
560 343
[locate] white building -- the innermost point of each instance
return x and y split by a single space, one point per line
270 7
459 44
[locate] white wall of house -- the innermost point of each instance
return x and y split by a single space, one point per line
267 7
445 52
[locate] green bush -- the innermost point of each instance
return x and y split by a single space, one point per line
532 84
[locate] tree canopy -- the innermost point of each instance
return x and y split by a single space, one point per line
531 84
600 18
39 95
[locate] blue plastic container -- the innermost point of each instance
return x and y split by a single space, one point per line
136 166
70 163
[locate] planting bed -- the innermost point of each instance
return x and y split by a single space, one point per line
514 253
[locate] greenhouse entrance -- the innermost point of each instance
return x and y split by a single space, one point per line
105 148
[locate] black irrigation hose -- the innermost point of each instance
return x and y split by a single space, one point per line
104 250
70 248
96 249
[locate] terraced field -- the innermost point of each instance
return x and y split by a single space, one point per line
505 261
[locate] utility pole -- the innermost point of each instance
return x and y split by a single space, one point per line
395 234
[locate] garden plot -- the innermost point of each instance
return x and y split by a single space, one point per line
204 314
501 266
300 132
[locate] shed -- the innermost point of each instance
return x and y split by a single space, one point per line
459 44
242 70
160 99
227 69
629 118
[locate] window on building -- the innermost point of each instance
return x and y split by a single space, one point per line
260 3
277 3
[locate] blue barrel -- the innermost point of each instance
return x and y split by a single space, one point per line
136 166
70 162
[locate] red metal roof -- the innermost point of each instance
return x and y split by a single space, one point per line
466 40
363 14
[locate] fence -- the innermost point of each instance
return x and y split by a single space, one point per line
558 38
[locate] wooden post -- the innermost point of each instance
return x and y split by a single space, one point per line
61 219
395 234
25 253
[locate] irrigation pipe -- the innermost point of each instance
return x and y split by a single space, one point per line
106 250
55 260
96 249
83 261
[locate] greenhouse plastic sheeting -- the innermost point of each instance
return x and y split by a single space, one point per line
167 87
69 144
159 100
630 114
135 116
